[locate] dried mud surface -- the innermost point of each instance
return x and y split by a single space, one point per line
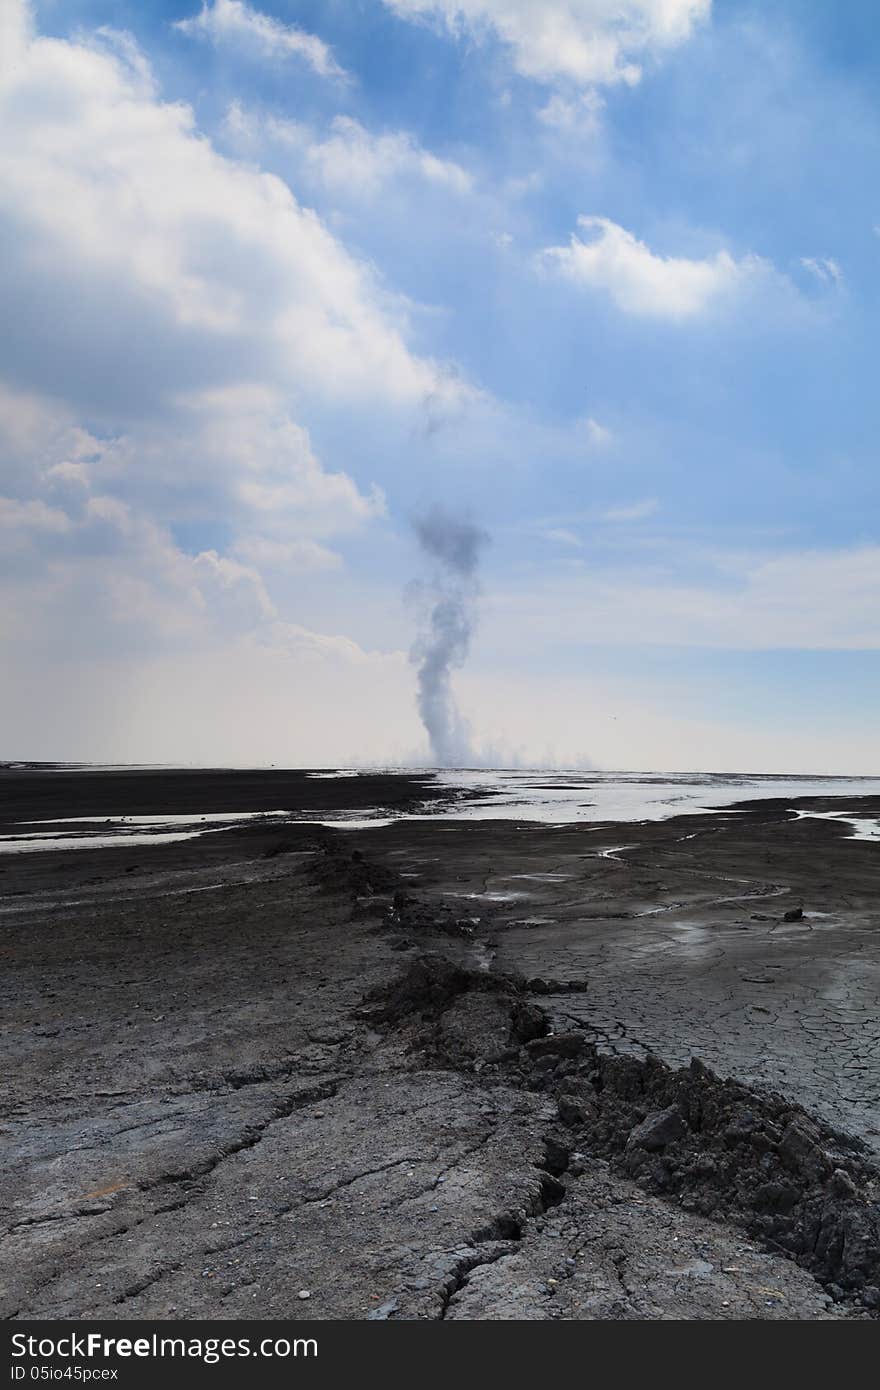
275 1062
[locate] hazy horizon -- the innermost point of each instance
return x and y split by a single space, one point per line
357 769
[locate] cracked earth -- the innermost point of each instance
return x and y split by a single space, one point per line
204 1114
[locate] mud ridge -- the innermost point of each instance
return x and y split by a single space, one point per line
711 1145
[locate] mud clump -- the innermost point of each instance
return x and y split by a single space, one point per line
457 1016
338 869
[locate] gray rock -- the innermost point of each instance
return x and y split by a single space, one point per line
840 1184
657 1130
572 1111
384 1310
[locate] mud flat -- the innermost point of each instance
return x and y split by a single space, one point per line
438 1070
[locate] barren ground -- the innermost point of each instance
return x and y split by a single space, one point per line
210 1106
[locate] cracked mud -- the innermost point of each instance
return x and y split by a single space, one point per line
337 1072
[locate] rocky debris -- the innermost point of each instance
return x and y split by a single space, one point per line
723 1150
794 914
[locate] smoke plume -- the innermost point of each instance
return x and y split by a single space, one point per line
454 547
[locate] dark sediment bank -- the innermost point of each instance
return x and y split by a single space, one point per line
271 1062
41 794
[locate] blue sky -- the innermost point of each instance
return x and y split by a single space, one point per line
602 277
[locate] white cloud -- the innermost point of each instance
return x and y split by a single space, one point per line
349 160
296 556
264 465
824 268
233 588
580 41
109 579
641 282
636 511
238 24
352 157
68 472
121 224
31 516
15 33
578 115
189 309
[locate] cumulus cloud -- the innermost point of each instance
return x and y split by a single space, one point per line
176 312
349 159
643 283
112 580
263 463
238 24
584 42
93 524
123 228
181 297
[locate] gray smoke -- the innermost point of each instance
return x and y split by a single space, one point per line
454 546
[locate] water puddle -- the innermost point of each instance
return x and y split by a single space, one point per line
490 897
863 827
127 831
542 878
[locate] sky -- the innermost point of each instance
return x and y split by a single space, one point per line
599 277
